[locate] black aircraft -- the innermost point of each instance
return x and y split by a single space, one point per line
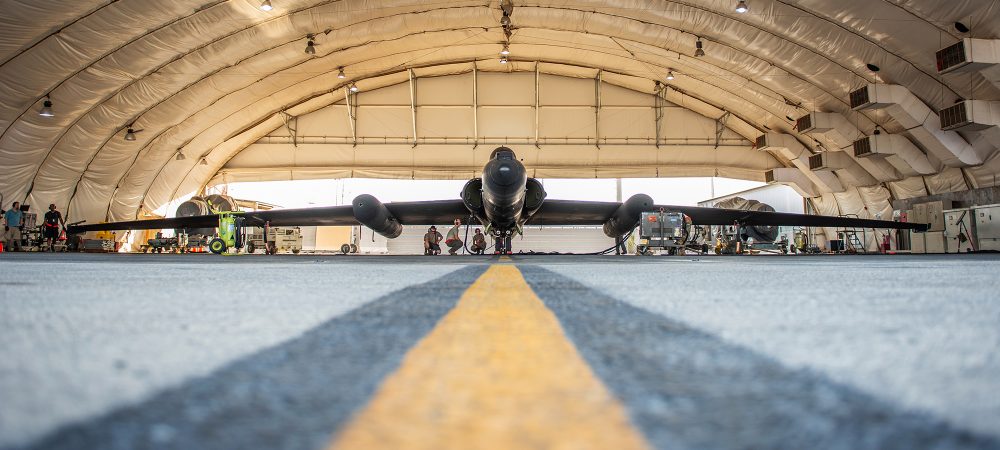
504 200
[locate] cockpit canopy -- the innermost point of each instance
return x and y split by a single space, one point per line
503 153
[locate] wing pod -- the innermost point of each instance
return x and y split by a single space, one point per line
627 216
373 214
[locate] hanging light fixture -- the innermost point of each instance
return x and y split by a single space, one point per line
503 60
310 46
699 50
46 110
353 87
266 5
130 134
741 6
180 156
203 162
670 75
340 73
506 50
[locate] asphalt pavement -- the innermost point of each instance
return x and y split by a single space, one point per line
298 352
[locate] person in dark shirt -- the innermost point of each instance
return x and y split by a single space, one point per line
478 243
51 226
431 242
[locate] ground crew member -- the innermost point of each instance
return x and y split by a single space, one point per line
478 242
12 227
454 243
50 227
431 239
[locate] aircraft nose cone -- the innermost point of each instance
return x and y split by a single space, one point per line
505 173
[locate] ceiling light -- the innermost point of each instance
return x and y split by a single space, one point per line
741 7
353 87
130 134
699 50
506 50
203 162
46 110
503 60
310 47
340 73
670 74
266 5
180 156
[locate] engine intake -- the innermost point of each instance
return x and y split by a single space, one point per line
373 214
627 216
472 196
534 195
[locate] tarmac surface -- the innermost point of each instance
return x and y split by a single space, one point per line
314 352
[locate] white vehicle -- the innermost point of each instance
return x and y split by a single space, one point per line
279 239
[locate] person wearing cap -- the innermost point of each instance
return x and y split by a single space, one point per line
12 227
453 241
478 242
50 226
431 240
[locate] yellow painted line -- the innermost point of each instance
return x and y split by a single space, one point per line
497 372
505 259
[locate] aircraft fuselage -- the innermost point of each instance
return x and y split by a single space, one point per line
504 185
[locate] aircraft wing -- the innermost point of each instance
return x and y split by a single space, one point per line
407 213
569 212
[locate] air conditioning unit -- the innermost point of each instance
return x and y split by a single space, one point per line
804 124
968 55
863 148
761 142
877 146
970 115
818 122
861 98
817 162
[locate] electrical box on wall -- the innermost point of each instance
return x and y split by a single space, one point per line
988 227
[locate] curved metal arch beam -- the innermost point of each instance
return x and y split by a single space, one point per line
34 41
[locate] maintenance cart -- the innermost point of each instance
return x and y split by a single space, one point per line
663 230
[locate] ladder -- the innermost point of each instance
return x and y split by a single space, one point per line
853 244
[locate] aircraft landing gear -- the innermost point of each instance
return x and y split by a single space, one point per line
502 239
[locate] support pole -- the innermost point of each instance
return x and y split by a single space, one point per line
475 105
537 105
658 101
597 108
351 116
413 105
